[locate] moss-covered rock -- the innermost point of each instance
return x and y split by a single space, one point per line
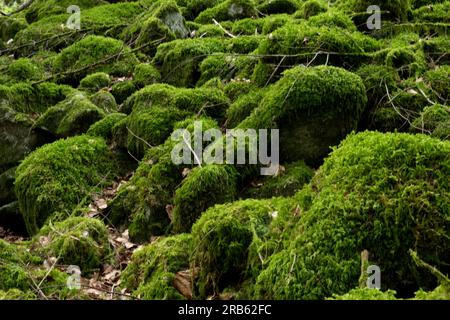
201 189
95 81
70 117
314 108
17 137
234 241
60 176
150 274
105 101
228 10
385 193
397 10
145 74
293 177
77 241
122 90
104 127
366 294
434 120
94 54
243 107
310 8
25 69
278 6
439 81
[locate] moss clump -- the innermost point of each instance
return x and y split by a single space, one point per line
333 19
122 90
243 107
397 10
435 12
439 81
180 59
278 6
385 193
72 116
95 82
228 10
366 294
59 176
103 128
433 120
78 241
94 54
145 74
310 8
408 61
234 241
313 108
151 272
201 189
105 101
16 294
13 272
25 69
291 180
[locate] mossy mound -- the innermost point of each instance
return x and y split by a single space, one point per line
243 107
228 10
314 108
292 178
60 176
145 74
202 188
366 294
385 193
439 81
150 274
77 241
104 127
94 54
105 101
95 81
72 116
121 90
397 10
25 69
434 120
234 241
278 6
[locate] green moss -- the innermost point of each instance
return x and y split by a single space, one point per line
72 116
366 294
143 205
25 69
303 113
434 12
91 54
16 294
385 193
433 120
122 90
333 19
41 9
201 189
192 8
243 107
397 10
9 26
152 269
59 176
78 241
145 74
104 100
103 128
214 66
439 81
310 8
211 102
295 176
278 6
234 241
95 82
406 60
236 88
442 292
228 10
179 60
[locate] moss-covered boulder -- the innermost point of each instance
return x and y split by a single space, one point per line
105 101
70 117
25 69
234 241
95 81
202 188
104 127
121 90
439 81
58 177
314 108
145 74
385 193
151 273
397 10
228 10
434 120
94 54
77 241
17 137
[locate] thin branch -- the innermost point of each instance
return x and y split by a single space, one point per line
223 29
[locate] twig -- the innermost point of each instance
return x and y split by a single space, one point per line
223 29
139 138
